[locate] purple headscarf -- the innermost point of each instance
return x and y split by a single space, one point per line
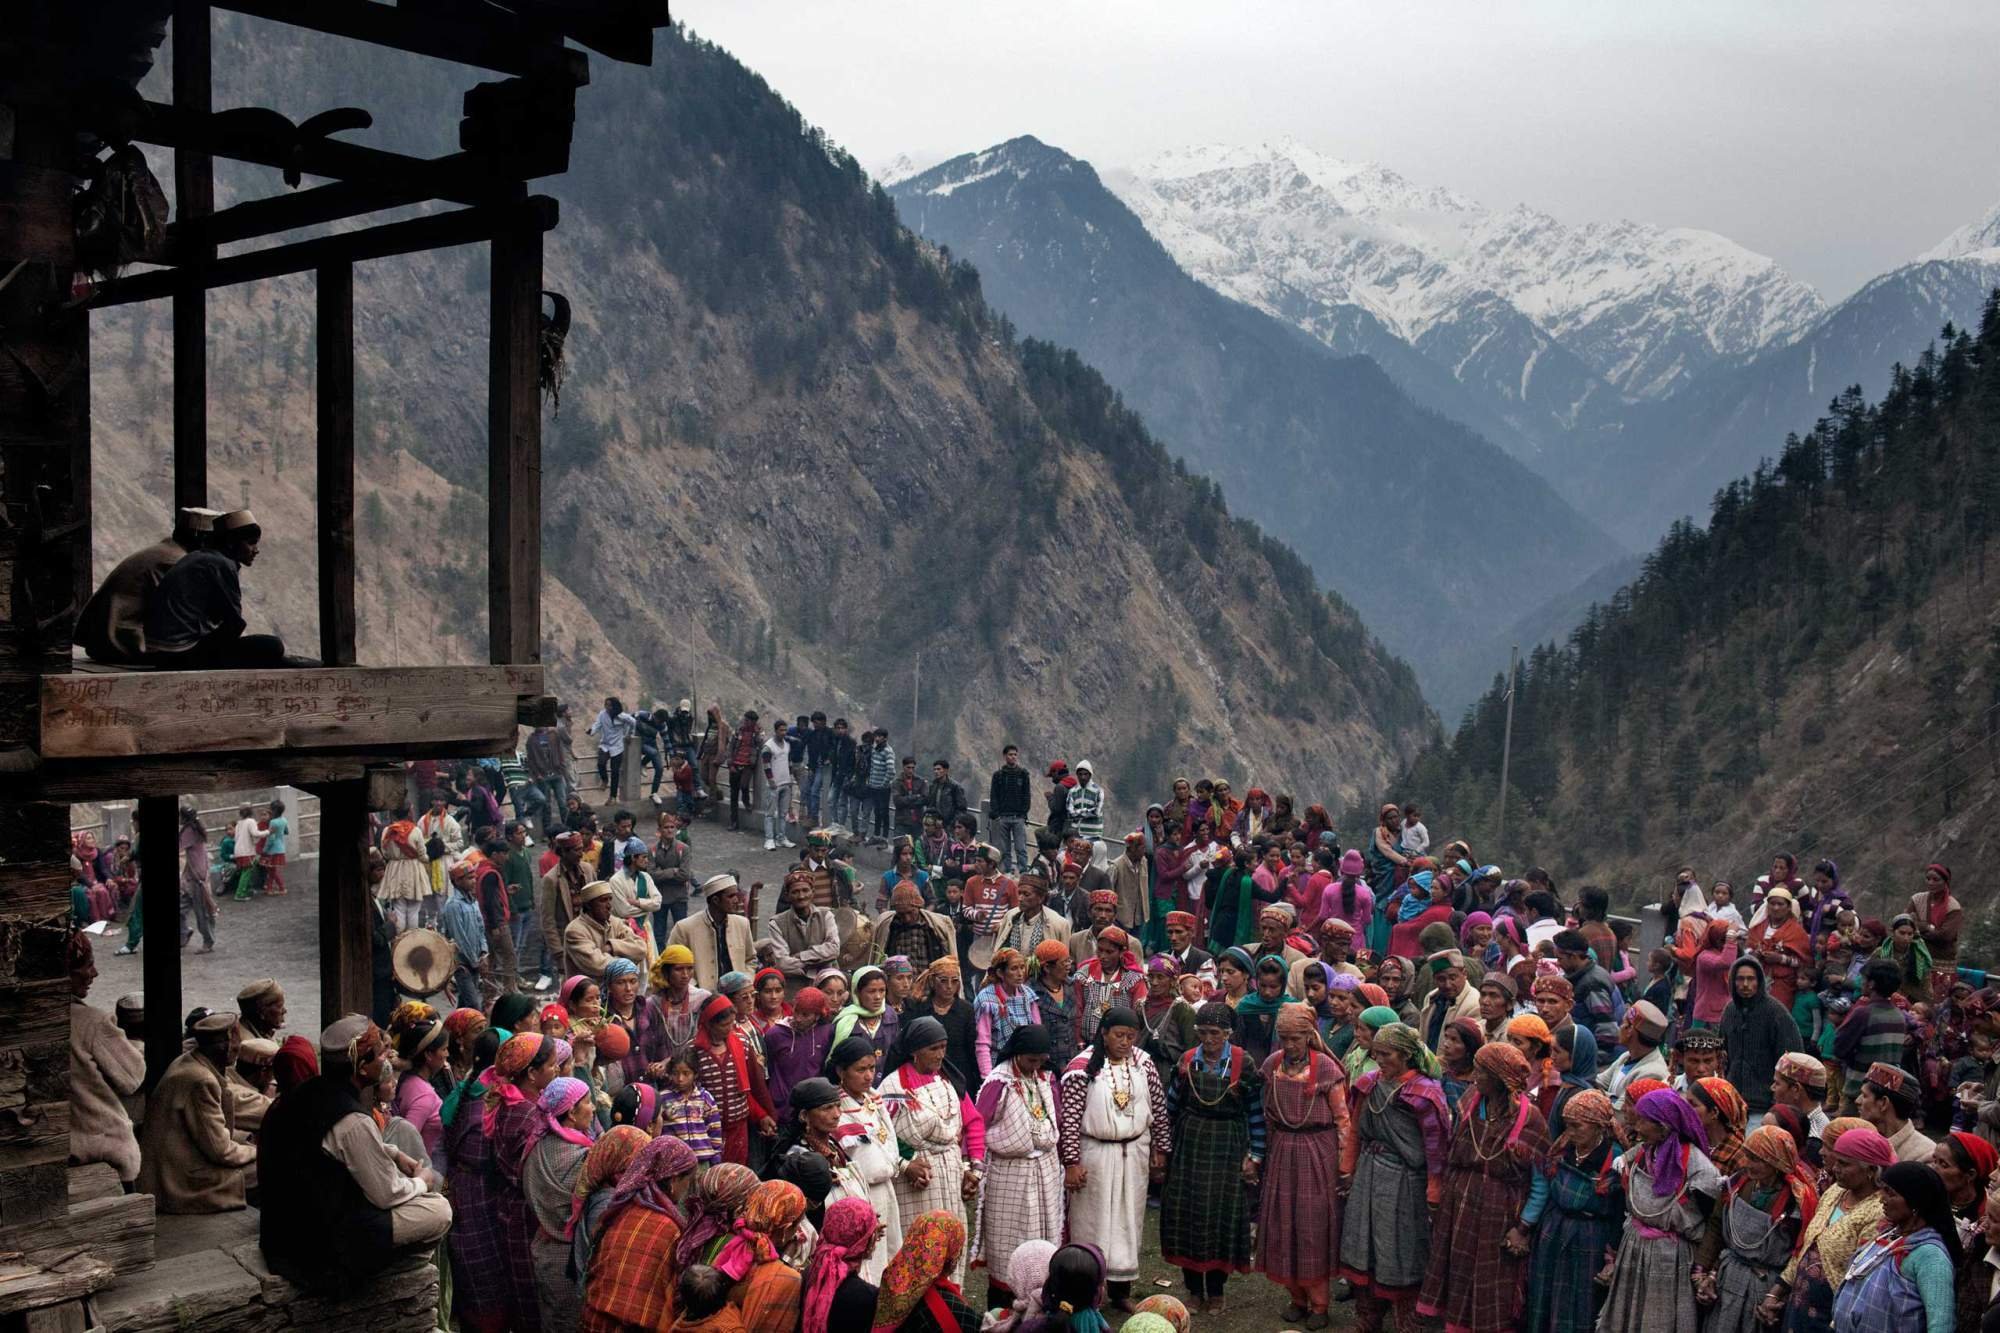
645 1178
1666 1108
1465 930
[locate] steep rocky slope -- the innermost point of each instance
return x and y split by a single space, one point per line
798 463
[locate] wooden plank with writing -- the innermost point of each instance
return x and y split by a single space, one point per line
191 712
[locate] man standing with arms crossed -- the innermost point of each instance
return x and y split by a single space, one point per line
1007 797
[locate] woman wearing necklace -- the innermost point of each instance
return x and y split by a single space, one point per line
669 1018
1004 1004
1233 967
1400 1132
1022 1199
1478 1271
936 1125
1763 1213
1577 1223
1670 1190
1216 1107
1849 1212
1298 1227
869 1015
866 1139
621 996
1114 1136
937 993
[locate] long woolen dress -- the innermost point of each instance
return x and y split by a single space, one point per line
548 1177
1021 1198
512 1121
939 1126
1298 1224
1218 1119
1495 1156
477 1244
868 1138
1583 1216
1755 1248
1400 1135
1650 1288
1111 1125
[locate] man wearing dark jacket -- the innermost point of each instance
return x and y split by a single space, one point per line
946 798
1756 1031
819 756
1007 798
841 755
1595 1002
909 796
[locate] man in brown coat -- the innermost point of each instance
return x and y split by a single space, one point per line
191 1161
556 900
594 936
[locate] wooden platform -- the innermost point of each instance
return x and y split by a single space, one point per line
212 1276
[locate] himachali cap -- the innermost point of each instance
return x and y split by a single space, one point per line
1893 1080
258 989
711 886
1802 1068
214 1023
598 888
258 1050
199 520
1647 1018
1708 1039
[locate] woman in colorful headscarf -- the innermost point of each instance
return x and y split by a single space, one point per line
1902 1278
795 1047
623 980
1577 1222
836 1295
1529 1035
557 1145
524 1066
727 1072
1027 1273
1671 1188
938 992
769 1007
1233 970
918 1294
1573 1057
1849 1212
1401 1131
1458 1045
1397 978
1257 1012
476 1243
1939 917
629 1287
1763 1214
1724 1116
1911 955
1215 1101
596 1180
461 1028
719 1194
1360 1057
1477 1276
869 1013
1305 1104
422 1058
753 1256
1006 1002
866 1137
1965 1163
670 1016
1386 862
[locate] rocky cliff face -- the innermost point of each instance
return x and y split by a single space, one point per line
797 464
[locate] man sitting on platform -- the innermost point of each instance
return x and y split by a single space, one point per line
194 619
350 1201
594 937
191 1161
112 625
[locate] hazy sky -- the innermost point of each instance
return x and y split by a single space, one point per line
1841 137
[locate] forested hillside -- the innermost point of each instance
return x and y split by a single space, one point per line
1815 670
799 462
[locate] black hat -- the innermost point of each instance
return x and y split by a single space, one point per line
1028 1039
812 1093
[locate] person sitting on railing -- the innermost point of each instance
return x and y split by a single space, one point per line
112 625
194 619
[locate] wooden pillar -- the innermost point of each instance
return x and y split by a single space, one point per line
194 197
514 448
346 920
160 955
44 569
334 338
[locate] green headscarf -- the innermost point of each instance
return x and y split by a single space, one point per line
1920 956
1403 1039
1254 1003
1378 1016
844 1021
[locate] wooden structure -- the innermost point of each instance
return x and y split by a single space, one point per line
68 96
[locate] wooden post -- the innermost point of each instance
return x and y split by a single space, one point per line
160 894
334 337
346 920
1507 741
194 197
514 448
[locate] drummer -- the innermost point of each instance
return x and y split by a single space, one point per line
465 927
989 895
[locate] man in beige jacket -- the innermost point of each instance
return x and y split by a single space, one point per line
191 1161
1031 921
594 936
719 938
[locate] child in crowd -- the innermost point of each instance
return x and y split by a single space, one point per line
690 1114
704 1302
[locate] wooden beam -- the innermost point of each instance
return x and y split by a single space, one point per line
488 39
346 918
514 448
158 824
331 202
194 198
102 716
334 389
459 227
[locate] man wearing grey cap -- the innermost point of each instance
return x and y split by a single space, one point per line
112 626
194 619
191 1161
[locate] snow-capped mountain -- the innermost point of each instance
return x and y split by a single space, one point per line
901 167
1551 322
1975 240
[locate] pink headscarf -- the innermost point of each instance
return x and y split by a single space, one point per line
844 1238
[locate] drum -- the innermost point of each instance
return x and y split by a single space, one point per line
980 953
422 961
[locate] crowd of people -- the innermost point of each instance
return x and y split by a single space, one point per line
1386 1074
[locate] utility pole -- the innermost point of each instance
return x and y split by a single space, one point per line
916 687
1507 741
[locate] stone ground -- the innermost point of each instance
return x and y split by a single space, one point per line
278 937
